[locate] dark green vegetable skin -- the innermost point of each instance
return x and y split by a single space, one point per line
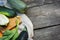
23 36
18 5
7 12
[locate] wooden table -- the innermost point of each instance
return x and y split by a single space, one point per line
45 16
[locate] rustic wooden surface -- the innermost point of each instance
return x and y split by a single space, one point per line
45 16
52 33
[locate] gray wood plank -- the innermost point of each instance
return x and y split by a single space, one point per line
39 2
45 15
52 33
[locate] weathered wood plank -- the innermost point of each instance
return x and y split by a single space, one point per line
52 33
39 2
43 16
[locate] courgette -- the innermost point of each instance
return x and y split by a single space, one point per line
7 12
23 36
18 5
3 20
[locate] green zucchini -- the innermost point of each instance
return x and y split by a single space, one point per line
18 5
3 20
23 36
7 12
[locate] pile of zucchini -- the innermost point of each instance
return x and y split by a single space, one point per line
6 13
18 5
